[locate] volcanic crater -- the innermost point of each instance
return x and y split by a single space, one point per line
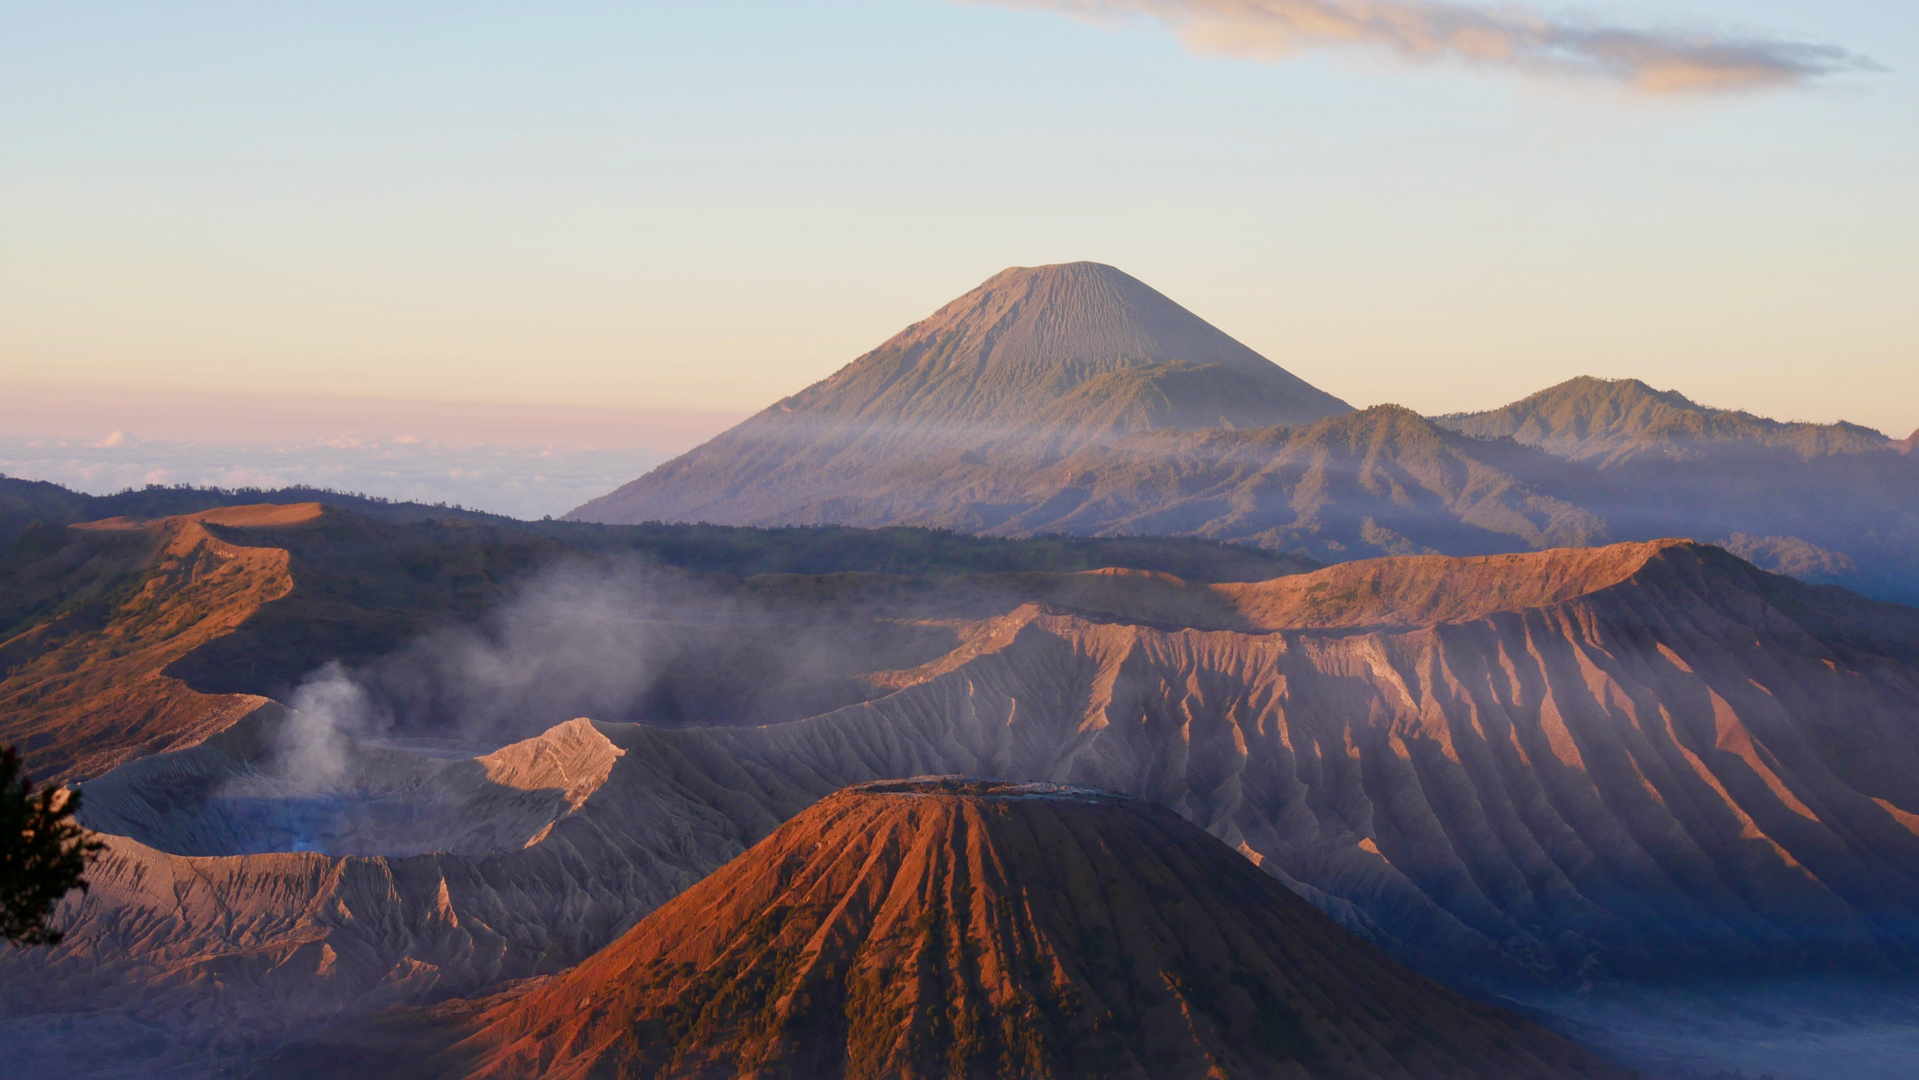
268 786
950 926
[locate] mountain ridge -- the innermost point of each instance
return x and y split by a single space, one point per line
1836 503
128 636
1029 365
1614 766
1373 482
1590 461
1611 421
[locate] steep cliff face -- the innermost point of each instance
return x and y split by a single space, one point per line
1032 364
943 927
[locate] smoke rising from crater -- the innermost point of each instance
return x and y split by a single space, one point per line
611 640
1505 36
311 753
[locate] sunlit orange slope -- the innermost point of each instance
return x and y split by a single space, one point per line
941 927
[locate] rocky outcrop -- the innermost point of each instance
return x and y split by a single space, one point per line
240 794
944 927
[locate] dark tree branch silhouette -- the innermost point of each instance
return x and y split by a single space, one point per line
44 853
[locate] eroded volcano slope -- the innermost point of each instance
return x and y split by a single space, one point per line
93 615
1647 762
946 927
235 794
1682 764
123 638
471 872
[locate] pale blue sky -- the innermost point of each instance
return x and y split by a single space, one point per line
710 205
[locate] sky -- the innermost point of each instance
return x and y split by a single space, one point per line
271 225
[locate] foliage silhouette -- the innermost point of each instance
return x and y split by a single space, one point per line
44 853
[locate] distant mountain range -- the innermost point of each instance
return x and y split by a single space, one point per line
1824 502
1074 399
1618 422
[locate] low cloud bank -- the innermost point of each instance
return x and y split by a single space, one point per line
519 481
1509 36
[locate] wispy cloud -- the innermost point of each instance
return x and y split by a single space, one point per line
1660 61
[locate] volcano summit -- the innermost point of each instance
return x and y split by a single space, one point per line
947 927
1034 364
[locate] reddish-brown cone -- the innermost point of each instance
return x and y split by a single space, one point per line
943 927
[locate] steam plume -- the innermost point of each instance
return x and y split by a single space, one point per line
311 754
611 639
1506 36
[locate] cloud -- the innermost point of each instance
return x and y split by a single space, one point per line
1509 36
522 481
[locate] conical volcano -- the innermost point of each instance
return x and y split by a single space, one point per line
1033 364
1031 327
943 927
